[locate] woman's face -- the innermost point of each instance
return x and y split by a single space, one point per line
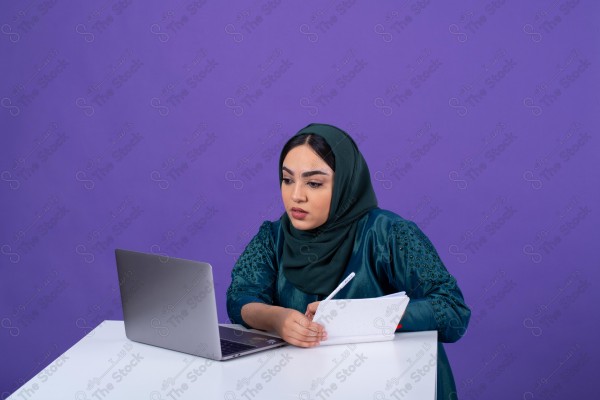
306 188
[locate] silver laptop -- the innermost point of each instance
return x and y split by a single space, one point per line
170 302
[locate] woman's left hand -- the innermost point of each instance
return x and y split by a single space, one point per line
311 309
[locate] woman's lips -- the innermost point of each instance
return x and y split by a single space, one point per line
298 213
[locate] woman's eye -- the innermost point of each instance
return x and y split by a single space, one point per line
314 185
287 181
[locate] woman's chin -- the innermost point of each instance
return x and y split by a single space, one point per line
301 225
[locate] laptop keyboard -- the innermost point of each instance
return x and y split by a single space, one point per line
228 347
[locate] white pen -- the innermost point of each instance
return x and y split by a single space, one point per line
340 286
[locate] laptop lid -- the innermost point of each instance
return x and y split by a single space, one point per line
169 302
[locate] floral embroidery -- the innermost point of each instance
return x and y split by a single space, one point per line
428 277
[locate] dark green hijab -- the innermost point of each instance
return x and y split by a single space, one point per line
314 260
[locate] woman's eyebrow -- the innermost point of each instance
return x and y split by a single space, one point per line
305 174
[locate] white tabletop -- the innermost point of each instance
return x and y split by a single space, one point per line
106 365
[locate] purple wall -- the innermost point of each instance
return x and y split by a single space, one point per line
156 127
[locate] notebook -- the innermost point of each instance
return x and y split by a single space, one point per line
170 303
361 320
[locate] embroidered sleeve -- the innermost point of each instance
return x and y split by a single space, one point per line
436 300
253 277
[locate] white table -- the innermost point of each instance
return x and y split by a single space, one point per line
106 365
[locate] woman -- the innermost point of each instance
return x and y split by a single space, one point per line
332 227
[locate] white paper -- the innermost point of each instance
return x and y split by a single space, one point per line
361 320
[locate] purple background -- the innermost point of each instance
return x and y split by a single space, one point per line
157 127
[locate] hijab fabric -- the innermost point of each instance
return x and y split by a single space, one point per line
314 260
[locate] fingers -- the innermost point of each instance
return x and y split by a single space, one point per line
300 343
311 310
309 330
298 329
304 333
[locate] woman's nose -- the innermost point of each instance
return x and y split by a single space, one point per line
298 193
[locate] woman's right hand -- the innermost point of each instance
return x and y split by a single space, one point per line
296 328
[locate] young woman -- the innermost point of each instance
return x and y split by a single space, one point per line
332 227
